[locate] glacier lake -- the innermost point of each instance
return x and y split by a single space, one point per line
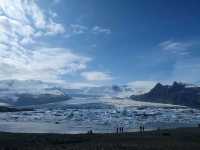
102 115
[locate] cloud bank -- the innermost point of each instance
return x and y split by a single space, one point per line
23 25
176 47
96 76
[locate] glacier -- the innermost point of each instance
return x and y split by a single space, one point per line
100 115
101 109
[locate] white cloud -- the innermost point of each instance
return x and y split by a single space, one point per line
96 76
55 28
47 64
53 14
187 70
147 84
77 29
98 29
56 1
179 48
22 26
15 29
185 65
79 85
14 9
27 12
142 86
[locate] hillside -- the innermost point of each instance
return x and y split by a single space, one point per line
11 109
35 92
30 92
177 94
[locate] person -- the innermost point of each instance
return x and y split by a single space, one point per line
143 128
140 129
117 130
90 132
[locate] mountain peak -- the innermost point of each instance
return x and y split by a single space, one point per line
178 84
158 85
177 93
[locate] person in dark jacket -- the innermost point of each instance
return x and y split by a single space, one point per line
140 129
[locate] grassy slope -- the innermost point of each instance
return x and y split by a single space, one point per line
179 139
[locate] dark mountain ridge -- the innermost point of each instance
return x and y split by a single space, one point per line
12 109
177 94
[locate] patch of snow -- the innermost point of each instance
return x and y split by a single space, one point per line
4 104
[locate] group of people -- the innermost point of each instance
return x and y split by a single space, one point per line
120 130
141 129
90 132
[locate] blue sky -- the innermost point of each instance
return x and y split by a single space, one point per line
100 41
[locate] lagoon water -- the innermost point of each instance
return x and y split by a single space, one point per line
101 115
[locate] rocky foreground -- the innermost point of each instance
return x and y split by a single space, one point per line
176 139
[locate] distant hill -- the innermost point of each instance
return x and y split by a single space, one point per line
30 92
30 99
35 92
177 94
11 109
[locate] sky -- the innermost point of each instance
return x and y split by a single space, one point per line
100 42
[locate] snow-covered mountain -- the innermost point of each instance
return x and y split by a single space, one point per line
27 92
120 91
27 86
112 91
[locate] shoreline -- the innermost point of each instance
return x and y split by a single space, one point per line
179 139
63 128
